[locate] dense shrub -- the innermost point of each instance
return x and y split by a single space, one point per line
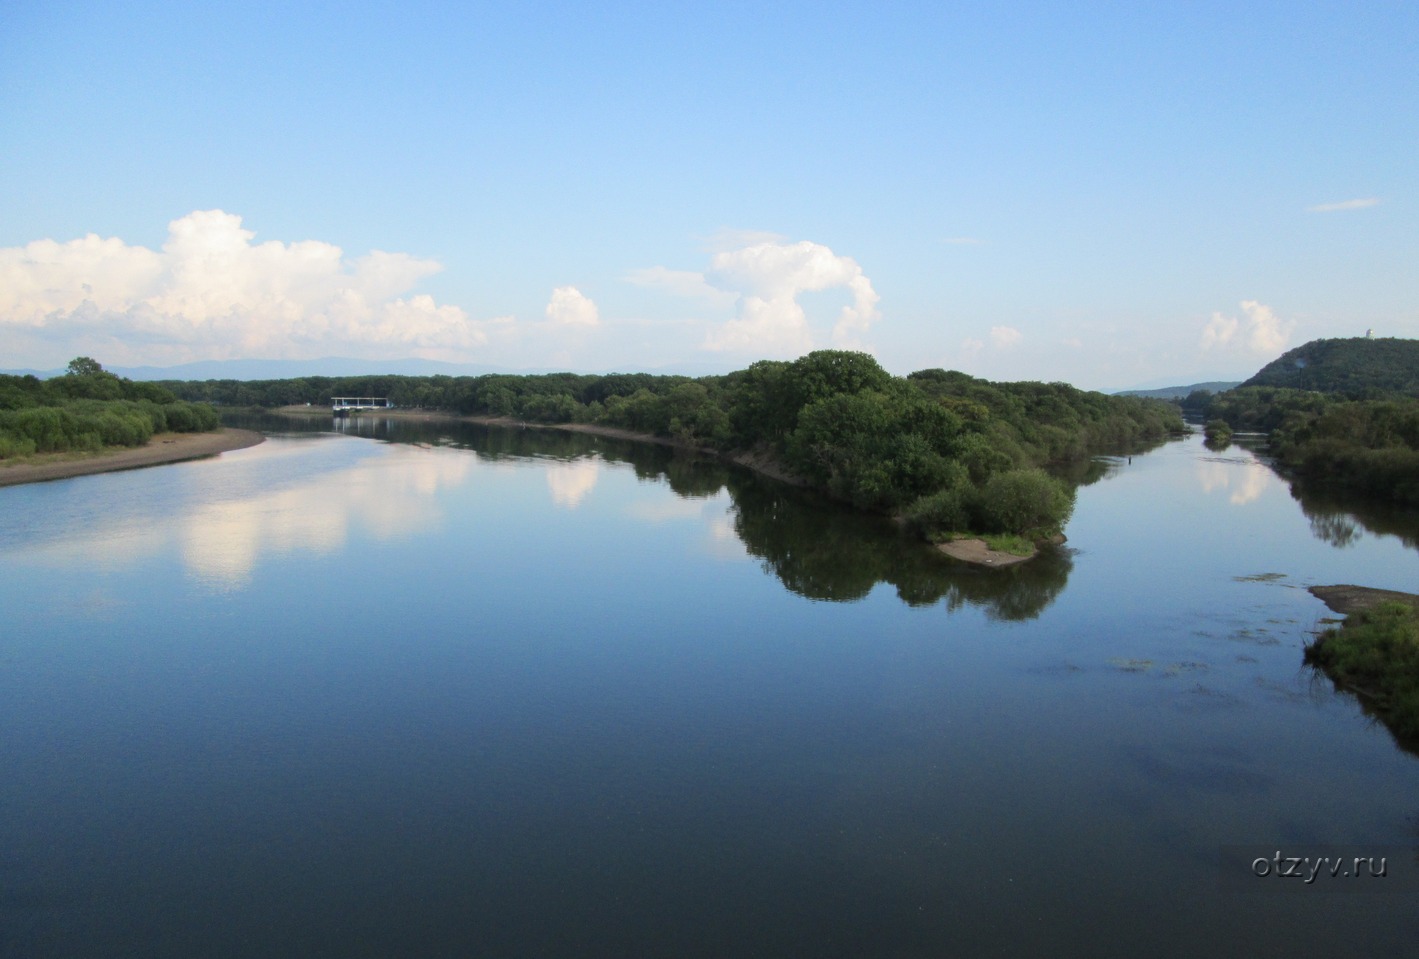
1021 501
89 409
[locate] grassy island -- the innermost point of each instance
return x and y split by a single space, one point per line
1375 655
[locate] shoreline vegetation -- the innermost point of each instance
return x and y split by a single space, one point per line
1374 654
161 448
949 456
86 414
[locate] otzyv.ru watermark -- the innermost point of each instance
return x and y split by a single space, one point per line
1334 868
1308 870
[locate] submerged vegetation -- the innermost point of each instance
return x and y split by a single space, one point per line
88 409
1375 654
946 450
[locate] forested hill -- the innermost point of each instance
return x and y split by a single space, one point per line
1358 367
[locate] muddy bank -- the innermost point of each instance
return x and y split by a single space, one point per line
162 448
1348 599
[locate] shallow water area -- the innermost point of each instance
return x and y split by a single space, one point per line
436 689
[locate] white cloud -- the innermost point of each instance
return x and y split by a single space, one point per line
1356 204
1004 337
1262 332
1219 331
971 348
569 307
768 278
1266 333
763 280
212 293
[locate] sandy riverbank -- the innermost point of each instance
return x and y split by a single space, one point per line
162 448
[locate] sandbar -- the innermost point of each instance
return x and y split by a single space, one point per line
162 448
976 551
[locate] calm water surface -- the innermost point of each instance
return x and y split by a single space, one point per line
446 691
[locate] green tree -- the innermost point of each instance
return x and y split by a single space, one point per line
83 366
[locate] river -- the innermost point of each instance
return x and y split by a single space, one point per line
446 690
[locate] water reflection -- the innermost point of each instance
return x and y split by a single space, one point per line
389 497
1242 477
264 501
823 552
571 481
1343 523
818 549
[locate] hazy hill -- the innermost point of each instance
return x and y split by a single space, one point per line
1355 367
1180 392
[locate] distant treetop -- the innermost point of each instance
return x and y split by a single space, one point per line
83 366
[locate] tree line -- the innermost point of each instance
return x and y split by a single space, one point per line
88 409
946 451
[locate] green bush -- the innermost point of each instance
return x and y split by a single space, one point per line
1022 501
1377 651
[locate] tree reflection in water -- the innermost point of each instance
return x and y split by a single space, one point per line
818 549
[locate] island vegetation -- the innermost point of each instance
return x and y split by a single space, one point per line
942 450
1375 655
88 410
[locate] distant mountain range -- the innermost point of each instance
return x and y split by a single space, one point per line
1181 392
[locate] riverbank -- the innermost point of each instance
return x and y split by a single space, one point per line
1348 599
1374 654
162 448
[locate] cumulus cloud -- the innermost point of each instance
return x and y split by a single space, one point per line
570 307
762 280
1219 331
1261 332
210 292
768 278
1356 204
1004 337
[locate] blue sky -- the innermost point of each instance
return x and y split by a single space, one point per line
1106 194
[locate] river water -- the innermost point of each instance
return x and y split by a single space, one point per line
445 690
